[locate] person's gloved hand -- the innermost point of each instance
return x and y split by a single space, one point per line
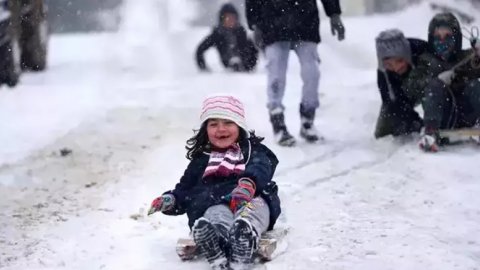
337 27
242 194
202 66
447 76
205 70
162 203
258 38
475 42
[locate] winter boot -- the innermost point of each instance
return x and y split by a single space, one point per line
244 242
282 136
308 130
430 140
207 239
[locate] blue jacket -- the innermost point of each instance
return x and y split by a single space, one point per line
194 194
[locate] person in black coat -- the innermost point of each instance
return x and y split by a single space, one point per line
237 52
448 76
397 57
227 190
281 26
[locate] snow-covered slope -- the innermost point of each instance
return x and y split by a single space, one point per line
125 104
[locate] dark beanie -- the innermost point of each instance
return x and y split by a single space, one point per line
392 43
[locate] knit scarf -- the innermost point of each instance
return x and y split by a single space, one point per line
225 162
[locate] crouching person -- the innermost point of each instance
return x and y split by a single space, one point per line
237 52
397 57
227 190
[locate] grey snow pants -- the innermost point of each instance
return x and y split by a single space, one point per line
258 214
277 62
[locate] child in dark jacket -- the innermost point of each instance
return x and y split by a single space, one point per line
448 78
227 190
397 57
236 50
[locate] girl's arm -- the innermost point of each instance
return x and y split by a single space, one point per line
182 188
260 167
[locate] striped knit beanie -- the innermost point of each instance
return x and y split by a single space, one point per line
224 106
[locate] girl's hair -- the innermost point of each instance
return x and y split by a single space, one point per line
199 142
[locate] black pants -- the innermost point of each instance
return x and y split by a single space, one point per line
397 122
243 59
445 108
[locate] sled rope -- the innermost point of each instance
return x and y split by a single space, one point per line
472 37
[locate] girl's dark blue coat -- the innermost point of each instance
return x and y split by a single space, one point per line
194 194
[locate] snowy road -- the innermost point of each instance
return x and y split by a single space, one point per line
126 110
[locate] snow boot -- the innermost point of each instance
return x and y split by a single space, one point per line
308 130
207 240
244 242
282 136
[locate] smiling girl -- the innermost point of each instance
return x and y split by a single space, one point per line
227 190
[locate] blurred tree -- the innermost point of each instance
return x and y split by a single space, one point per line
80 15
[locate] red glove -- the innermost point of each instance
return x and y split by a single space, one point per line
242 194
162 203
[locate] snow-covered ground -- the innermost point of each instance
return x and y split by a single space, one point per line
126 103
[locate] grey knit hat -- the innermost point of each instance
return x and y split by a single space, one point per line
392 43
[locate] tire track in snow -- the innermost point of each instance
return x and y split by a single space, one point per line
361 166
295 187
324 156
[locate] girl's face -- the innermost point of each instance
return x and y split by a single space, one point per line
222 133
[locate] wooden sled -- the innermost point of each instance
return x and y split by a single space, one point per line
187 250
461 135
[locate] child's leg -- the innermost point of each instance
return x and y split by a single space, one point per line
472 95
257 214
250 222
221 217
210 235
437 106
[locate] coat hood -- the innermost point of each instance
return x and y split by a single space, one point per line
446 19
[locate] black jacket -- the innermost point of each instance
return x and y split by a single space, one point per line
221 38
394 97
195 194
228 42
288 20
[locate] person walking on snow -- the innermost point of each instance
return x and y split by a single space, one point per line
227 190
285 25
397 57
236 50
